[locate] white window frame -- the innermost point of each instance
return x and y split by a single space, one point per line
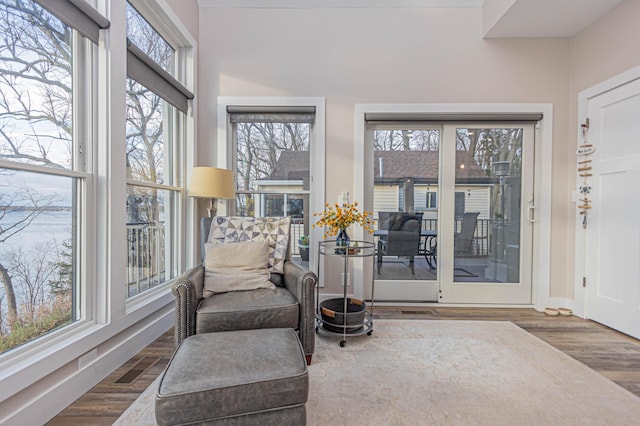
431 204
541 213
177 153
114 328
83 141
225 155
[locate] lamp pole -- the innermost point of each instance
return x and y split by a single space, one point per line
502 169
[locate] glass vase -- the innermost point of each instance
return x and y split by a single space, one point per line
343 240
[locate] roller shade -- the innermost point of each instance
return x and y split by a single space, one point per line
375 117
147 72
79 15
271 114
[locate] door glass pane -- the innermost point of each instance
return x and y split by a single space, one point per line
487 213
405 193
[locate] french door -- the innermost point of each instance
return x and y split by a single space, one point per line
471 185
485 242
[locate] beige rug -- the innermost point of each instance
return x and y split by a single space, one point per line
414 372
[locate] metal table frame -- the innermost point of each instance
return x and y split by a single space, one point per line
355 249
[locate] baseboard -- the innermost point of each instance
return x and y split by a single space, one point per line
45 399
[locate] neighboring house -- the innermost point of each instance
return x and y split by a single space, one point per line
403 181
408 181
291 175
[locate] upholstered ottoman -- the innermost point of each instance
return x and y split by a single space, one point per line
245 377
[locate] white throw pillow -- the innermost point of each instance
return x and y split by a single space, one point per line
236 267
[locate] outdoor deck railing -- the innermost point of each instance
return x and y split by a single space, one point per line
146 248
481 236
480 243
145 256
297 230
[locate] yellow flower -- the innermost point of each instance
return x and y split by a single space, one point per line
338 217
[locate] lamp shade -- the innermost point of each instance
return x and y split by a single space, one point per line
211 182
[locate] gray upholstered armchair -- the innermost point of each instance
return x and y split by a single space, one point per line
290 305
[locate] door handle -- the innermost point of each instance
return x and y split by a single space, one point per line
531 212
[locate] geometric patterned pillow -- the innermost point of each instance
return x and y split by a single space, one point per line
275 230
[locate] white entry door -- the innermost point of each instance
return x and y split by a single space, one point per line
613 223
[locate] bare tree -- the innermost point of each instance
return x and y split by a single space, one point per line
25 205
35 85
489 146
33 272
260 144
145 124
62 284
35 109
35 97
406 140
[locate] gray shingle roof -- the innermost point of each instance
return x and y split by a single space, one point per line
291 165
396 165
422 165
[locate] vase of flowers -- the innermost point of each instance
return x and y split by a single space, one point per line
338 217
343 239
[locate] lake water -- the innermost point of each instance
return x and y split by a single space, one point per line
50 226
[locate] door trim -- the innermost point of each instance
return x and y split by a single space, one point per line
580 240
540 275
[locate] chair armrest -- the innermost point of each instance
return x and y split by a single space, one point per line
187 289
301 282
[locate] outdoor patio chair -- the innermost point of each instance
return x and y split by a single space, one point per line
463 240
402 238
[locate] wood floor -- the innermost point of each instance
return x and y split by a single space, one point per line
612 354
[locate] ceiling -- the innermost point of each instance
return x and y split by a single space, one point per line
511 18
548 18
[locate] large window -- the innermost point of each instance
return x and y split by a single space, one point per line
155 119
43 172
272 159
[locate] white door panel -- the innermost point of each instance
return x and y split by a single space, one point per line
613 232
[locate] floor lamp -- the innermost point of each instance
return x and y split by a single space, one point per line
212 183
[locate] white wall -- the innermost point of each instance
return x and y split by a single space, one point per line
603 50
383 56
187 13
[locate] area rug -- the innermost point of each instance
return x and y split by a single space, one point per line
417 372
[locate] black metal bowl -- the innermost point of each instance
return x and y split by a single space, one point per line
333 316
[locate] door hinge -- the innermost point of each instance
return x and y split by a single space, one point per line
584 281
